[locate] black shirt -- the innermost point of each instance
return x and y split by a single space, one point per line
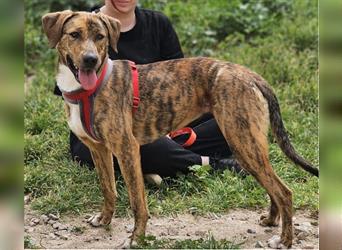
151 39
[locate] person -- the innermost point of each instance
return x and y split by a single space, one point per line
147 36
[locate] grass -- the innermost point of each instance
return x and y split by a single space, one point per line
286 57
150 242
28 244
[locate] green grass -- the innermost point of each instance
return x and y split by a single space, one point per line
286 56
150 242
28 244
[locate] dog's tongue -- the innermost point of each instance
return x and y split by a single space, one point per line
87 79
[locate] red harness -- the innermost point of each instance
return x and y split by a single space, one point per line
85 99
135 80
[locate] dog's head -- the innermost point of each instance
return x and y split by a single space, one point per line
82 40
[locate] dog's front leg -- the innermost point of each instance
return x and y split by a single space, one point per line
129 160
103 161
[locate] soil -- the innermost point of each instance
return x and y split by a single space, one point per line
238 226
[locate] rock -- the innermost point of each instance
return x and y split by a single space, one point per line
53 217
300 242
268 230
251 231
51 222
259 245
302 236
56 225
31 224
52 236
200 233
308 247
274 242
59 226
302 228
34 222
129 228
306 224
28 229
63 227
44 218
62 235
314 223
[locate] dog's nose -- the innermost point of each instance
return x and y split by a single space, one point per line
89 60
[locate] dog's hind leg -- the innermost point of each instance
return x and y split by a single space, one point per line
243 119
251 151
128 154
103 161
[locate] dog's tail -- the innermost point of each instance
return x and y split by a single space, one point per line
279 130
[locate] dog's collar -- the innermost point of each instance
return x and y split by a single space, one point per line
85 98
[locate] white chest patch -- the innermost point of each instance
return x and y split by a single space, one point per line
74 121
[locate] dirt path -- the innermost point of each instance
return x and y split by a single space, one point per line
237 226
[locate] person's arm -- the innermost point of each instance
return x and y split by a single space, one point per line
169 44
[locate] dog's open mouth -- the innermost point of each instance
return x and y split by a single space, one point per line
87 78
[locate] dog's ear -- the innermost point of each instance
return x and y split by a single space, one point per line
113 27
53 25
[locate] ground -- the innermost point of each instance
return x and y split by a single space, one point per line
239 226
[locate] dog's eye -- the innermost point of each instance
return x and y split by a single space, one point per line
75 35
99 37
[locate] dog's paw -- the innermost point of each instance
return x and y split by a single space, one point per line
98 220
276 243
266 221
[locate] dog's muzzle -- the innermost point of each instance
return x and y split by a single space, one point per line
89 61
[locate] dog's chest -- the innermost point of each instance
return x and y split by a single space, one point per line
67 82
74 121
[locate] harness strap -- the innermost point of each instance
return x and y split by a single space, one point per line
85 99
184 131
135 81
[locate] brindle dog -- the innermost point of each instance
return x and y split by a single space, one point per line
173 93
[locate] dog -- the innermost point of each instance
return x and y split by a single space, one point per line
172 94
